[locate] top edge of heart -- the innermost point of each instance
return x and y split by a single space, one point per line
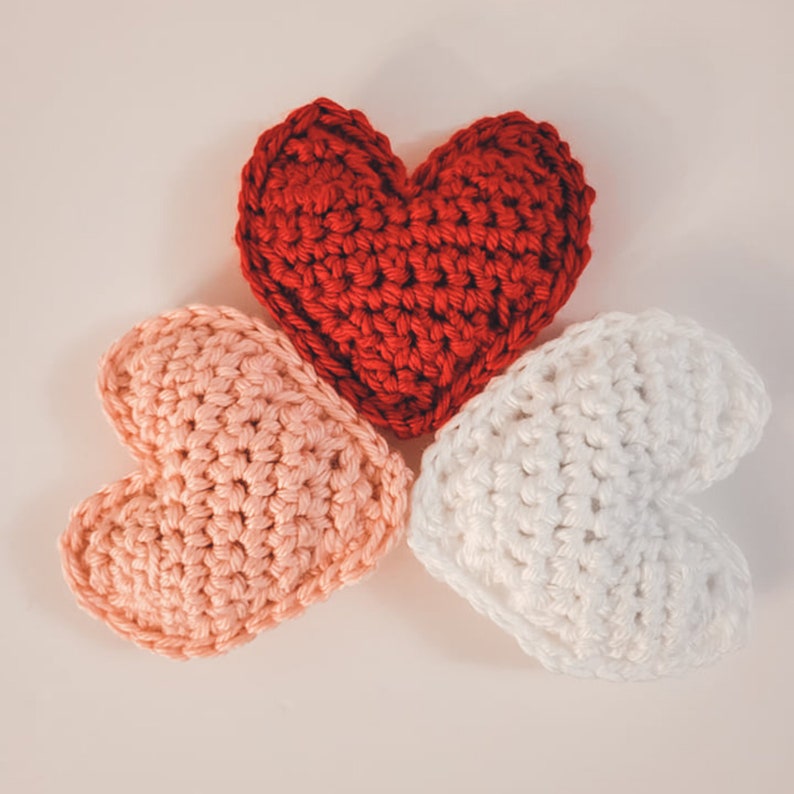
331 115
731 426
136 349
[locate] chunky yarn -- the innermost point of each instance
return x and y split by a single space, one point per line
259 491
408 293
555 501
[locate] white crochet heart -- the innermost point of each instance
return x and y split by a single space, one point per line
555 501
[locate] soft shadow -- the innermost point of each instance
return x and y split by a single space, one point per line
200 260
440 617
227 287
642 154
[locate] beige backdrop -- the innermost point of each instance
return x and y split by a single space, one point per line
124 126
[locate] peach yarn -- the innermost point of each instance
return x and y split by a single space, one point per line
259 490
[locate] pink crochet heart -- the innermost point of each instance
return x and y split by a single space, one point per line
259 492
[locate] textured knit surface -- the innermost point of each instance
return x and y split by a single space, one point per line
259 490
555 501
408 293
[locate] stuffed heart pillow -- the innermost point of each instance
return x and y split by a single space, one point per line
556 500
259 491
409 292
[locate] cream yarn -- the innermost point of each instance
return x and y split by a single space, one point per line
555 501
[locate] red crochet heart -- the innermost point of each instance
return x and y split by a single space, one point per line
408 293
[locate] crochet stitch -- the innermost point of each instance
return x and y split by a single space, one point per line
555 501
259 490
408 293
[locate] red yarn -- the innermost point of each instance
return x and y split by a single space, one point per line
408 293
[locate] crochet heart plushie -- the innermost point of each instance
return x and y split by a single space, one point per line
556 501
408 293
259 491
